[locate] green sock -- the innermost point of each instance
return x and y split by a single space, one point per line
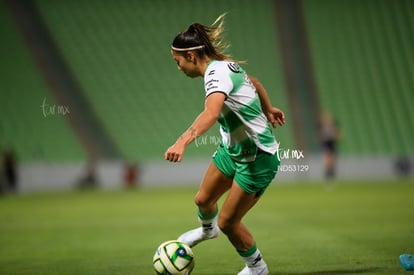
208 222
252 256
207 216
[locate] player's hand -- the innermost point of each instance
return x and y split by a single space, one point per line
174 153
275 116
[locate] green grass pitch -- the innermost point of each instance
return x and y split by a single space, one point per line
303 228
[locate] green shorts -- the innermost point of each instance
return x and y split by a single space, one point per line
252 177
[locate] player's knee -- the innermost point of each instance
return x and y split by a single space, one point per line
203 201
200 200
226 224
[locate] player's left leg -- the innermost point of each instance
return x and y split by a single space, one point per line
250 181
235 207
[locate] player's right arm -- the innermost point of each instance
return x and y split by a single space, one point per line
201 124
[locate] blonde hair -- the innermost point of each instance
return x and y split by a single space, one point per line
204 40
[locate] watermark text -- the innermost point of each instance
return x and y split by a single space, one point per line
53 109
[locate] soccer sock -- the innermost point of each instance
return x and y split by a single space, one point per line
208 222
252 256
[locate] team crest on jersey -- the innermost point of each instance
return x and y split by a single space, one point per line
234 67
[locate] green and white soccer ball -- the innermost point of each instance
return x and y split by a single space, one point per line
173 258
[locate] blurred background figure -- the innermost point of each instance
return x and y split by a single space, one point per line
8 173
402 166
328 134
131 174
89 178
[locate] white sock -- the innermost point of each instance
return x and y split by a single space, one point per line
208 223
252 257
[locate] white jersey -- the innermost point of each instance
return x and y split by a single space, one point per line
243 126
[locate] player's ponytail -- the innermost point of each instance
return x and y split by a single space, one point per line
204 40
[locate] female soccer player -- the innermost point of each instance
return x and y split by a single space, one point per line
245 162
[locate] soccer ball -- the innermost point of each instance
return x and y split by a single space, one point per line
173 258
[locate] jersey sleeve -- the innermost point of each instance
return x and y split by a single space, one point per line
217 79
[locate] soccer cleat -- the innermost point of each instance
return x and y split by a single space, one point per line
195 236
256 270
407 261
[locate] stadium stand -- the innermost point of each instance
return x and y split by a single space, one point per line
364 62
119 53
28 125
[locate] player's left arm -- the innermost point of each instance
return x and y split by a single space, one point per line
273 114
201 124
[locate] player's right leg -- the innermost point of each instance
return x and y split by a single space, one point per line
213 186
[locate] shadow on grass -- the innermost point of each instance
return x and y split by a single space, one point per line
338 271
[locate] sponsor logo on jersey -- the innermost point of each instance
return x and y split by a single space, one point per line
234 67
211 84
